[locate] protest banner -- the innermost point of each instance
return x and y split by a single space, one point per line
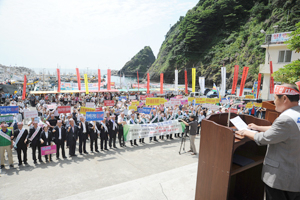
64 109
225 100
135 103
152 101
200 100
98 109
94 116
146 110
6 118
136 131
132 107
176 101
9 109
46 150
184 102
122 97
234 110
162 100
90 104
150 95
51 106
179 97
83 110
210 101
249 105
143 97
249 96
132 97
109 103
190 99
30 114
140 110
258 104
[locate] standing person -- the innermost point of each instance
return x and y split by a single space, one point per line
153 119
162 119
170 116
72 137
83 135
193 124
280 171
60 138
6 145
133 121
34 139
93 135
52 122
112 130
103 134
46 140
121 122
20 136
142 120
200 118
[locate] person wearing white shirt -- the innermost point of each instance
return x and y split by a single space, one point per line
121 122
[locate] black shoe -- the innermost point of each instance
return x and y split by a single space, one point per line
136 144
131 144
74 155
2 166
20 164
40 160
171 138
57 158
102 150
87 152
81 153
25 163
11 166
106 149
97 151
46 160
34 162
65 157
115 147
50 160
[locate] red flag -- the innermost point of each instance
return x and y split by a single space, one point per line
271 78
258 84
99 79
161 83
244 77
58 77
148 83
186 81
235 78
137 74
78 79
108 79
24 88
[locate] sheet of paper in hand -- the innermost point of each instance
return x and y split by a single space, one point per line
240 124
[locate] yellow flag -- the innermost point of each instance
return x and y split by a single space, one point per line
193 79
86 84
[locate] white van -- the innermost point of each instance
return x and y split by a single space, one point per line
246 91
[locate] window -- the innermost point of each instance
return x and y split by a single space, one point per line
285 56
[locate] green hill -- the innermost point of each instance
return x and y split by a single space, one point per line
140 62
222 32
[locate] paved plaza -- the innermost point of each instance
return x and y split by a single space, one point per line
150 171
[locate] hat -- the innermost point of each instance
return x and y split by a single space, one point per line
20 123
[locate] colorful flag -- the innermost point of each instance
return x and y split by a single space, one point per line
78 79
148 83
108 79
258 84
99 79
244 77
24 88
235 78
58 77
186 81
86 84
193 79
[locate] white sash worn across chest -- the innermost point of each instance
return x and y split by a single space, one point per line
153 119
104 127
35 133
19 136
294 115
132 121
114 124
4 135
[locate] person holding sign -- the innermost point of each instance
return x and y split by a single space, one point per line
133 121
46 140
34 139
6 145
280 172
20 136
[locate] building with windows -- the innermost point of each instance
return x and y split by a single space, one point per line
279 54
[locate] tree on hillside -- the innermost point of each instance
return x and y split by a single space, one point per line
291 73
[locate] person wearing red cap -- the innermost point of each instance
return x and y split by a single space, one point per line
20 136
280 172
6 145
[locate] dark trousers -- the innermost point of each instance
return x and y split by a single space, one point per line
24 149
38 147
275 194
48 156
121 137
133 141
104 142
60 144
82 143
154 138
92 142
112 140
142 140
72 149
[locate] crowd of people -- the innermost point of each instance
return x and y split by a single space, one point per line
66 130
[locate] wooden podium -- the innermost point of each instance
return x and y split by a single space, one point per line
218 177
271 113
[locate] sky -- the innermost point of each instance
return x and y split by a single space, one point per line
88 34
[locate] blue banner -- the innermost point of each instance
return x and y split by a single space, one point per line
6 118
146 110
94 116
122 97
9 109
140 110
255 89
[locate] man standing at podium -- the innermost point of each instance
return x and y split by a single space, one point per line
281 168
